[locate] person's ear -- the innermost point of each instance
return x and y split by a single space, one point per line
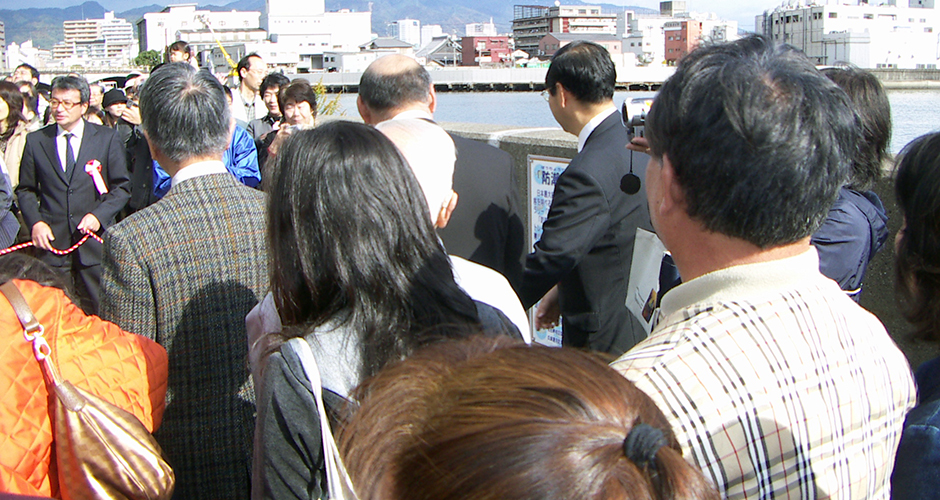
364 111
562 94
673 196
433 96
447 209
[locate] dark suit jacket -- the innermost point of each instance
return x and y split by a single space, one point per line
140 164
185 272
485 227
61 198
587 244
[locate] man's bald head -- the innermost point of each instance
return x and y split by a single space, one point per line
392 84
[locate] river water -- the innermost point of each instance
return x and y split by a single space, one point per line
913 112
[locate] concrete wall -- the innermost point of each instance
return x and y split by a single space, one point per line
878 295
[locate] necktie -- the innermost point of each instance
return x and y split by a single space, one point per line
69 153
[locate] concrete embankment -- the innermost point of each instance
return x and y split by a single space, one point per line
464 79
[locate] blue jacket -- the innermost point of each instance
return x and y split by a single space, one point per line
241 159
854 230
917 467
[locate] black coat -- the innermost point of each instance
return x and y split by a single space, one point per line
62 198
587 244
485 227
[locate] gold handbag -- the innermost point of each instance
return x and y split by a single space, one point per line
102 451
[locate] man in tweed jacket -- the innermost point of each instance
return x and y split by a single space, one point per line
185 272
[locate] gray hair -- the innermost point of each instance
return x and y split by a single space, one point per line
184 112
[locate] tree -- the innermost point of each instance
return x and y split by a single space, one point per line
148 58
327 106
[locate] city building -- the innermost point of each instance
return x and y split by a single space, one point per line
306 28
388 45
868 36
554 41
406 30
663 38
646 39
349 62
485 50
673 8
480 29
276 56
430 32
205 39
443 51
97 42
532 22
624 18
25 52
3 48
157 30
682 36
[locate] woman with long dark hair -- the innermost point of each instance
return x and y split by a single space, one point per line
917 186
357 270
13 129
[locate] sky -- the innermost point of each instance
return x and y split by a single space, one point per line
742 11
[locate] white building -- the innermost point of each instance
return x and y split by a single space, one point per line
349 62
869 36
481 29
157 30
97 42
3 46
430 32
309 30
17 54
275 55
407 30
646 39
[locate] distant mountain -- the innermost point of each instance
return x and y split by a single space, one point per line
44 26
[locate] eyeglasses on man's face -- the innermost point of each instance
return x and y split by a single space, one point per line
546 95
68 105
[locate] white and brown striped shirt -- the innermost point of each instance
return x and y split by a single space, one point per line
777 384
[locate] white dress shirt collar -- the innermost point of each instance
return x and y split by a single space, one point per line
78 131
199 169
592 124
61 149
413 114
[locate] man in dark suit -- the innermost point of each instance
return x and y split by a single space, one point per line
587 241
484 227
73 180
185 272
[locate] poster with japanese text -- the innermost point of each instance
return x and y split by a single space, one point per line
543 172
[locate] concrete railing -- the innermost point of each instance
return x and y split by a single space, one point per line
878 295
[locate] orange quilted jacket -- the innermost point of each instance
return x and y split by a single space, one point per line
124 369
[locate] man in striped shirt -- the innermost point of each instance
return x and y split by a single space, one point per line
776 384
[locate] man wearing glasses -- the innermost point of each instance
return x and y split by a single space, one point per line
73 181
248 103
580 266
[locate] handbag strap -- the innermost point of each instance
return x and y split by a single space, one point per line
20 307
338 482
33 331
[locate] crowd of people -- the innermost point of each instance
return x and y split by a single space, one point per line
188 237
